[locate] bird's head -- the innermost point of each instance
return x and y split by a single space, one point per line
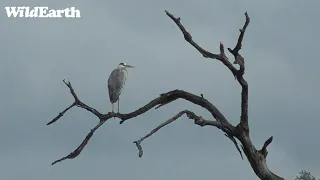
124 65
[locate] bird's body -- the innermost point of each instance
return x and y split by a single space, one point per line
116 82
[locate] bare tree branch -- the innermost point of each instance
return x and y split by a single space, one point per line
80 103
266 144
256 158
138 142
235 143
61 114
187 36
236 49
264 151
76 152
223 58
197 120
163 99
240 60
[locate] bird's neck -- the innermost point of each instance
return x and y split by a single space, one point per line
121 68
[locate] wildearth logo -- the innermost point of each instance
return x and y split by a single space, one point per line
42 12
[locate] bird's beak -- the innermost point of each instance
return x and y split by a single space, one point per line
128 66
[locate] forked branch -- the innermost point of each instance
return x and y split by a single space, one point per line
257 158
187 36
222 123
223 58
191 115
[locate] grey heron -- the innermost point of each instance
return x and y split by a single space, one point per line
116 82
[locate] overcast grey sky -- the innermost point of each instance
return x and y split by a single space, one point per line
281 51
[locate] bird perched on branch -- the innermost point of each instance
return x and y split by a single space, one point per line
116 82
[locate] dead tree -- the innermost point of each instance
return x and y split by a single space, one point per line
257 158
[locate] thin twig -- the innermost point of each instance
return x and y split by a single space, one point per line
61 114
190 115
78 150
264 150
187 36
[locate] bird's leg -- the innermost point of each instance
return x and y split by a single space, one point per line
118 105
113 110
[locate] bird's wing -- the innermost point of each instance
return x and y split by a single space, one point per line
122 79
116 82
113 86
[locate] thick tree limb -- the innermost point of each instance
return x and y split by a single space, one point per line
163 99
223 58
256 158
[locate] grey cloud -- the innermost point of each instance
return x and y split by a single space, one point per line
280 49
